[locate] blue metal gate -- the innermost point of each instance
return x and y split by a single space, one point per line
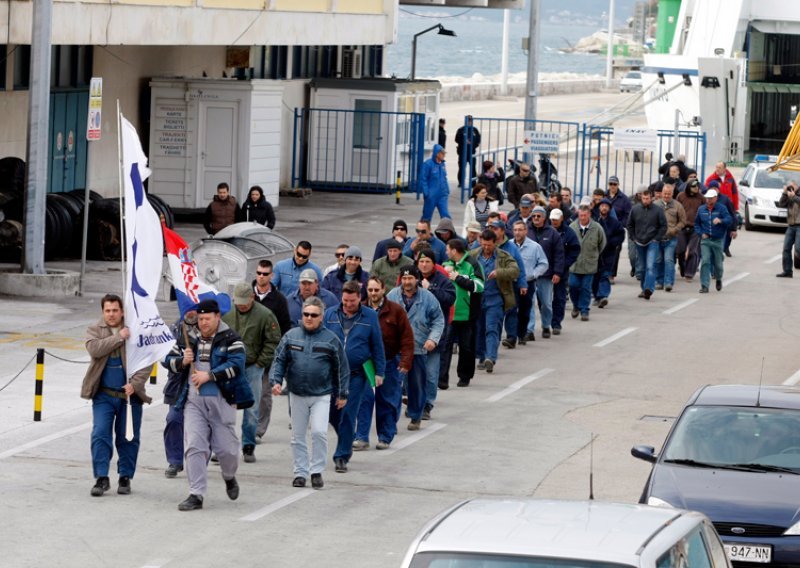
357 150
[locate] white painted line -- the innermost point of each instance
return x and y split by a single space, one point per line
772 259
733 279
793 380
614 337
56 436
405 442
512 388
277 505
680 306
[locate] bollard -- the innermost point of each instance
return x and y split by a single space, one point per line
397 193
37 398
154 373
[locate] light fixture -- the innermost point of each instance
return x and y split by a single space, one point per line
441 31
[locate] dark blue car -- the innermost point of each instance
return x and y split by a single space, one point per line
734 455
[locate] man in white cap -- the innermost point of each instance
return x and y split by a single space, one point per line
572 248
711 223
258 327
309 286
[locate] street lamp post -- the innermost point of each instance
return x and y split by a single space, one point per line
442 31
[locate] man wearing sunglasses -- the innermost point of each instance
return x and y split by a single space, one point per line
425 239
312 361
287 271
269 296
340 252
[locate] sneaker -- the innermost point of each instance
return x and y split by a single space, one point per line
602 303
668 288
595 302
463 383
382 445
530 336
719 285
299 482
647 293
414 425
522 341
360 445
426 413
443 385
173 470
340 465
249 456
784 275
510 343
232 489
546 333
703 290
316 481
124 487
659 286
191 503
101 486
489 365
584 317
575 313
481 366
556 331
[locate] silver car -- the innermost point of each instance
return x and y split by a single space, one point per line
536 533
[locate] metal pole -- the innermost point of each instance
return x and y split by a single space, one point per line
677 140
414 58
85 234
610 54
38 138
532 88
504 56
123 250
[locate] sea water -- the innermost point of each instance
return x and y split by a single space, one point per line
478 46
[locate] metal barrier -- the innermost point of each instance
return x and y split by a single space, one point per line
586 154
357 150
504 139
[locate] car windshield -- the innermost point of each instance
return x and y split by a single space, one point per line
776 179
633 75
478 560
761 439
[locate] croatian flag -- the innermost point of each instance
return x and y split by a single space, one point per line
150 338
189 289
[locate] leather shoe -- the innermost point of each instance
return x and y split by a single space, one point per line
703 290
299 482
443 386
546 333
340 465
463 383
232 489
784 275
173 470
191 503
101 486
316 481
124 487
719 285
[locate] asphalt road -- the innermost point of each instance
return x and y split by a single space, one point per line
523 431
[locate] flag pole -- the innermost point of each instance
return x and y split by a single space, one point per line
123 250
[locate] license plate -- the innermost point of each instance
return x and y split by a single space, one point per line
749 553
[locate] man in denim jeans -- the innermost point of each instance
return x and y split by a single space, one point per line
676 221
791 201
647 226
260 332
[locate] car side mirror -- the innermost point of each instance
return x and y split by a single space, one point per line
646 453
744 183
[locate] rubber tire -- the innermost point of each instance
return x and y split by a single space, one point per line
747 224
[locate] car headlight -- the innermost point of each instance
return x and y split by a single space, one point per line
656 502
762 202
793 530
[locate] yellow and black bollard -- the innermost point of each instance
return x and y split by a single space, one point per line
397 192
37 399
154 373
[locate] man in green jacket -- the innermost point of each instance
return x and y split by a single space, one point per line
500 270
261 333
592 238
466 274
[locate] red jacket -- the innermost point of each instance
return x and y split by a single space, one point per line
726 186
398 337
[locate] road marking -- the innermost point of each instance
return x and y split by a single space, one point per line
730 281
56 436
680 306
793 380
614 337
772 259
405 442
277 505
514 387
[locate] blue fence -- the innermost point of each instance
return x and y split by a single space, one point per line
357 150
586 156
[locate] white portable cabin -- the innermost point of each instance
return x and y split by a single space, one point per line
350 149
207 131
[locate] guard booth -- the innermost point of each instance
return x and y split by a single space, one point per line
207 131
365 135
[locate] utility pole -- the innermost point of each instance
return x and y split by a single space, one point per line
532 87
610 54
38 138
504 53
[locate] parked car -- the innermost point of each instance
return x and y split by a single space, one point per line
734 455
631 82
760 190
537 533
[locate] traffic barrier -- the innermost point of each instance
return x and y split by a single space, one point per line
37 398
154 373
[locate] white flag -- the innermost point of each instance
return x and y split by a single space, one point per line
150 338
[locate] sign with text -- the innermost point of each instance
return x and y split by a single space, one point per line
94 124
538 142
636 139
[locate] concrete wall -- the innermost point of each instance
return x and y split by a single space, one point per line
483 91
14 121
293 97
